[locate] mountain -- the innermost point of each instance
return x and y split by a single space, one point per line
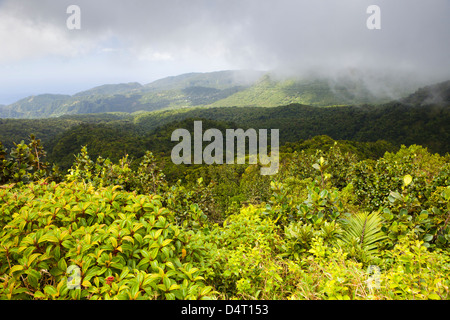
34 106
349 87
197 89
181 91
50 105
217 80
438 94
111 89
223 89
317 92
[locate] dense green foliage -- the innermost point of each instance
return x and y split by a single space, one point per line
13 130
369 131
330 225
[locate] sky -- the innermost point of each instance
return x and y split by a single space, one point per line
122 41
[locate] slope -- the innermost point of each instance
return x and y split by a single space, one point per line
172 92
218 89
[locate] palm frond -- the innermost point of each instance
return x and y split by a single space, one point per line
365 228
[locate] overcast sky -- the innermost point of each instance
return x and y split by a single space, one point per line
137 40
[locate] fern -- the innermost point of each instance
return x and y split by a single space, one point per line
365 228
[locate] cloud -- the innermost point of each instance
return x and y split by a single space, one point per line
22 39
293 36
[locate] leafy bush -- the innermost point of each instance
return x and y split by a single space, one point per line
26 163
126 246
245 260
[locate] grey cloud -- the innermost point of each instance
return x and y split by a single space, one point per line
289 35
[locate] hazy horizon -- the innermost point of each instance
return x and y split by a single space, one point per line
142 41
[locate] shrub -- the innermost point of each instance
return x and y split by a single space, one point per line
125 246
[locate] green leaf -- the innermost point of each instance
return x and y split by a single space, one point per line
33 278
27 241
205 290
166 251
157 234
423 215
446 193
113 241
91 272
48 238
153 277
138 238
16 268
39 295
62 264
434 296
407 180
124 273
169 296
441 239
50 290
167 282
67 244
396 195
161 287
86 284
174 287
128 238
154 253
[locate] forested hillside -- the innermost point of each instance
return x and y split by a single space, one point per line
216 89
116 134
190 89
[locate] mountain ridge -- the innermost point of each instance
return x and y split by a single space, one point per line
119 88
438 93
227 88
